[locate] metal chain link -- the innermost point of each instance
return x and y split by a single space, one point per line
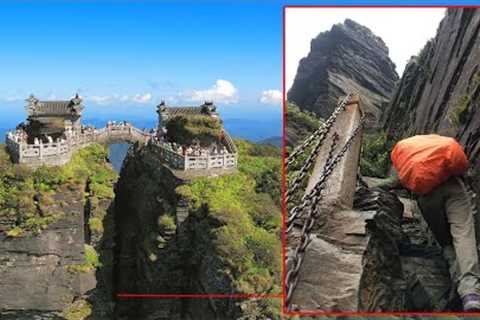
320 133
303 172
312 201
328 168
297 210
297 181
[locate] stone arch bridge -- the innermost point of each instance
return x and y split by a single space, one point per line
56 131
121 133
59 152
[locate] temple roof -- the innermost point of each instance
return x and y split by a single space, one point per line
71 107
207 108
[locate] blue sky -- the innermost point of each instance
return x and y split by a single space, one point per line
125 56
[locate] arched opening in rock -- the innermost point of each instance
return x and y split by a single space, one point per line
117 153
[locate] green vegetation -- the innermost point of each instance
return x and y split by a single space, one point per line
15 232
79 310
167 223
263 163
375 158
95 224
422 55
300 124
184 129
30 200
92 261
245 229
458 114
476 79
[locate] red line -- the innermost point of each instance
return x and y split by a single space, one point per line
285 311
379 314
193 296
284 169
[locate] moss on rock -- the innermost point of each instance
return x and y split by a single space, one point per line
30 199
185 129
92 261
375 157
79 310
246 234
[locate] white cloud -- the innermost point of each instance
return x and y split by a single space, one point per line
100 99
14 98
222 91
115 98
404 30
121 98
142 98
271 97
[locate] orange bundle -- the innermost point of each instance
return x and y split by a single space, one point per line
424 162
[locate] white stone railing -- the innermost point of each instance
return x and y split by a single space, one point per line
230 144
174 159
60 152
191 162
227 160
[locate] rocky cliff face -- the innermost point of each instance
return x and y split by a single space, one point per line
440 88
55 254
347 58
438 93
42 260
69 243
181 233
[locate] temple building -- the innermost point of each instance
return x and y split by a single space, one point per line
165 113
52 119
190 125
187 138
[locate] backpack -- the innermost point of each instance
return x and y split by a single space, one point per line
424 162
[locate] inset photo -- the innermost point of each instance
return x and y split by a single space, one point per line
140 160
381 158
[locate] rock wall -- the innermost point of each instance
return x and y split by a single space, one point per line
33 269
347 58
56 240
153 257
440 88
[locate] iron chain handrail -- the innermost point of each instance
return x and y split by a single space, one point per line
311 200
320 132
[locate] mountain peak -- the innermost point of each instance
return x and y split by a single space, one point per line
347 58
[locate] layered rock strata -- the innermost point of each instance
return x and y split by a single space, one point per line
348 58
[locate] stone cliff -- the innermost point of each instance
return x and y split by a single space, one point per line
440 88
73 237
55 238
402 267
347 58
182 233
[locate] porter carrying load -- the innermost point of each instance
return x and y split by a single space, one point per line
424 162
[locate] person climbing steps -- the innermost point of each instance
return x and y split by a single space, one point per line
431 166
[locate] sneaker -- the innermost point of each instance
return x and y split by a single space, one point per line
471 302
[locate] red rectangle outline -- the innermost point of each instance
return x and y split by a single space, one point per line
129 296
285 311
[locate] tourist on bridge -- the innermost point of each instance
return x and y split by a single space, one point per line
431 166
